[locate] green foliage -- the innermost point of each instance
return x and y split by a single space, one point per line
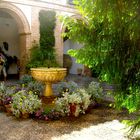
25 102
36 87
133 125
2 90
47 110
66 87
47 24
80 99
29 84
110 33
43 54
132 101
110 37
95 91
26 79
7 92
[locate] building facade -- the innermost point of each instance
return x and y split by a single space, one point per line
19 27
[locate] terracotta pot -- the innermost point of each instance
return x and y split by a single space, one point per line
72 109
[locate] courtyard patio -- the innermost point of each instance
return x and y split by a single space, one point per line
70 70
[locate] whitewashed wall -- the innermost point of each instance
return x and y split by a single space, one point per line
27 12
68 44
56 1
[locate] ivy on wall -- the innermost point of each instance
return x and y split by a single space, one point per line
43 54
47 24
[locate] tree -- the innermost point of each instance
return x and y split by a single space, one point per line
110 33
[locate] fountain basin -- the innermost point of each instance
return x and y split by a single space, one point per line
49 76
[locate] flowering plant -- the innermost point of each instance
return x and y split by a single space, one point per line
66 87
6 93
47 114
2 91
25 102
36 87
80 99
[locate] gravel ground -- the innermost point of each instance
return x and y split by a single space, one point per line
101 123
112 130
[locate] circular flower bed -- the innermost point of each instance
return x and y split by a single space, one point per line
25 99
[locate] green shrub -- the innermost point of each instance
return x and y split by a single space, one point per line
25 79
95 90
36 87
66 87
2 90
6 92
79 98
110 32
25 102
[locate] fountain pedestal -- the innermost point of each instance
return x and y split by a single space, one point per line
48 89
49 76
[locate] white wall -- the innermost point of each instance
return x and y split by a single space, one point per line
56 1
9 34
68 44
27 12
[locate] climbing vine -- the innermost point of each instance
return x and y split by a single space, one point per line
43 54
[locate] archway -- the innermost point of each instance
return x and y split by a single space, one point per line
23 32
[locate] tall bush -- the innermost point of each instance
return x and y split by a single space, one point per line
43 54
110 33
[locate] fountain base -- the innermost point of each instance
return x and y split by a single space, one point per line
48 101
48 90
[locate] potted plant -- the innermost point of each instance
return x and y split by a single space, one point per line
25 103
73 104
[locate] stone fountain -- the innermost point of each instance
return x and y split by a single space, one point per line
49 76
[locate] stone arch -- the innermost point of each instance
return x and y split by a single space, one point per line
63 29
72 16
59 39
23 31
18 15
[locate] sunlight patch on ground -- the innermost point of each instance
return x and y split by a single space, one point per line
113 130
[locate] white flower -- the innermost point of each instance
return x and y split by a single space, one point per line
80 98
